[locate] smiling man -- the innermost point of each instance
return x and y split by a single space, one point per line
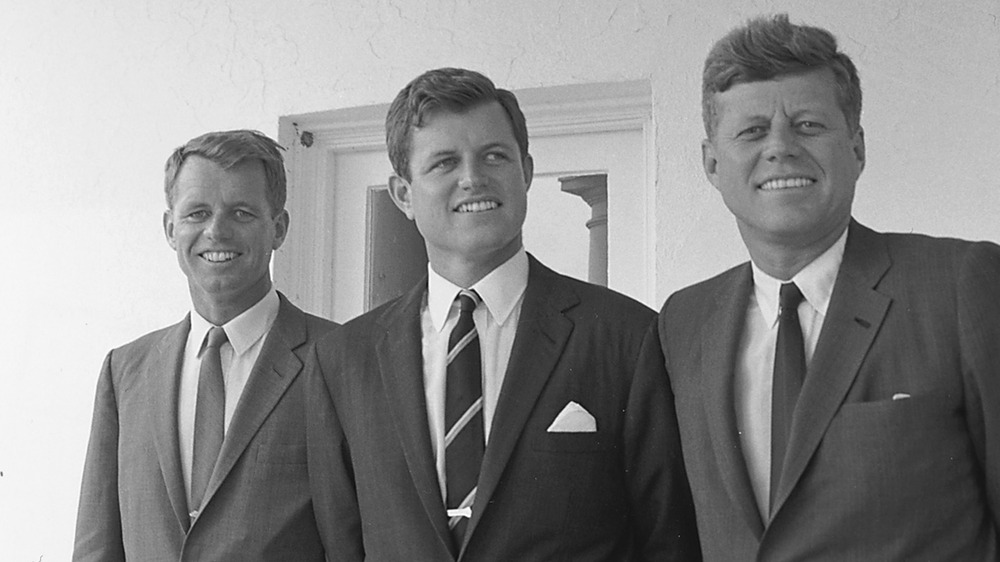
197 449
839 396
499 410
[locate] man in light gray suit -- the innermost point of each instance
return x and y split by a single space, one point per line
197 449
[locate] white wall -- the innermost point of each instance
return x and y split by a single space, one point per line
94 95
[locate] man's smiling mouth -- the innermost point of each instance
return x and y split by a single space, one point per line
785 183
219 257
477 206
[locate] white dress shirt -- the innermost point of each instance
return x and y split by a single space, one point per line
502 292
755 362
246 337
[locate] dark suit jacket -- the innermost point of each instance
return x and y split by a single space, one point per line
133 505
866 477
617 494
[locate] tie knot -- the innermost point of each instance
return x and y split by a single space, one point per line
468 300
216 337
789 297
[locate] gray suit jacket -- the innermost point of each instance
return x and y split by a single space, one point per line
133 504
894 452
616 494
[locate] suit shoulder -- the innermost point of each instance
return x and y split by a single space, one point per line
319 326
703 292
946 255
601 304
144 343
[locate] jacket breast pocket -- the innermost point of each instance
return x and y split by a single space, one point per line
572 442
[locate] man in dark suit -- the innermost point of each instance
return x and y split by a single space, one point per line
197 449
553 439
839 396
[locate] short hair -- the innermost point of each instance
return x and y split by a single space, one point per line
451 89
770 47
227 149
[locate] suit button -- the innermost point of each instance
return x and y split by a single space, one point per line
193 514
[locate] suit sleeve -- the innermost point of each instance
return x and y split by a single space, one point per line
331 478
98 521
979 332
662 508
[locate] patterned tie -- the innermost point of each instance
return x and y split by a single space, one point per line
789 371
209 417
464 440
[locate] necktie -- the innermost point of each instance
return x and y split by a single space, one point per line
464 440
789 371
209 416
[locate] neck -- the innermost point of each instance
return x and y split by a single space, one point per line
219 309
782 259
466 272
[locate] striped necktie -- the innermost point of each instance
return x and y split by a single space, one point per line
464 440
209 417
789 371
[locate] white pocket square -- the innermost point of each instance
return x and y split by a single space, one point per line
900 396
574 418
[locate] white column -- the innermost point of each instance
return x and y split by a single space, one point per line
594 190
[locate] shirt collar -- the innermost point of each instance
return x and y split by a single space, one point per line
244 330
815 280
500 290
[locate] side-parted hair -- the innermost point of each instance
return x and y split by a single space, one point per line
450 89
770 47
227 149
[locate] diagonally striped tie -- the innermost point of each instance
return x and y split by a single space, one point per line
464 440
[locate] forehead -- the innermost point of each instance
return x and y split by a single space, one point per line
199 177
814 91
482 124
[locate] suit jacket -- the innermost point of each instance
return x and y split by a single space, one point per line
866 476
616 494
133 504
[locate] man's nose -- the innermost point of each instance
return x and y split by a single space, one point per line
471 175
219 227
781 143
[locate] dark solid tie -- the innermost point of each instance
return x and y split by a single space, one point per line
464 440
209 417
789 371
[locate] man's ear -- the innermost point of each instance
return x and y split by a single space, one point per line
168 228
528 164
399 191
859 148
280 229
710 162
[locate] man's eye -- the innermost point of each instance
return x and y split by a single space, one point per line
443 164
810 126
244 214
752 132
198 215
496 156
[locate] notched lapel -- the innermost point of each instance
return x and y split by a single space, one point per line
854 317
719 344
164 372
400 365
276 367
542 333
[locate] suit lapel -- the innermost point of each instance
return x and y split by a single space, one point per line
855 314
275 369
400 363
542 333
165 374
720 342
